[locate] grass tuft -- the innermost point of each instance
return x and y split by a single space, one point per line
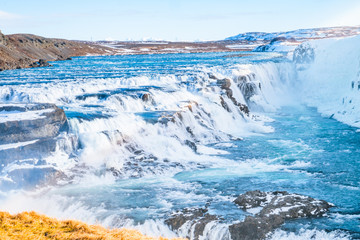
33 226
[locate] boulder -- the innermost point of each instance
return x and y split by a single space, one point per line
273 208
28 134
43 63
225 85
255 228
196 218
40 63
26 122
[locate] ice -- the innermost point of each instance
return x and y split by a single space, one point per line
16 145
331 82
7 116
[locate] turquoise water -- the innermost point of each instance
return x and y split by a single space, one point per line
306 153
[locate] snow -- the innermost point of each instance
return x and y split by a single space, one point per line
6 116
210 151
332 82
242 46
16 145
316 33
255 210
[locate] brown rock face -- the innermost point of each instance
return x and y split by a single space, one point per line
3 40
26 50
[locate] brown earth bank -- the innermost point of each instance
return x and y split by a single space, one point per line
30 225
26 50
163 47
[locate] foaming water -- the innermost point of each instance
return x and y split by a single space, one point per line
310 234
150 135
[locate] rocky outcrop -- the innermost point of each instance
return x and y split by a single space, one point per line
3 40
28 134
25 122
195 218
266 212
273 208
248 86
225 84
40 63
26 50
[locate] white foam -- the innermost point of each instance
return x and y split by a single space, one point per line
307 234
7 116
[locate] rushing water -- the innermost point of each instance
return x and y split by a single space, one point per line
134 162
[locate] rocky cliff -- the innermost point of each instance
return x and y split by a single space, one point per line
26 50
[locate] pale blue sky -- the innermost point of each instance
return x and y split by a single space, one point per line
170 19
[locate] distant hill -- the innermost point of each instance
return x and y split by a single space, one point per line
26 50
299 35
287 41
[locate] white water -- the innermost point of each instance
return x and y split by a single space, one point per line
124 142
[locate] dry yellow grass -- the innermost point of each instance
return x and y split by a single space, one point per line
33 226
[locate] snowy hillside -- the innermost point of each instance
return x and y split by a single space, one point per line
299 35
332 81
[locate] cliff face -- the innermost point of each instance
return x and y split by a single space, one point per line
25 50
3 40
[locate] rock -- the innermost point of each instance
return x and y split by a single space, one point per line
224 104
146 97
212 76
276 207
68 59
3 39
225 84
282 203
251 199
278 39
254 228
197 218
191 144
28 134
40 63
26 122
43 63
262 48
33 65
